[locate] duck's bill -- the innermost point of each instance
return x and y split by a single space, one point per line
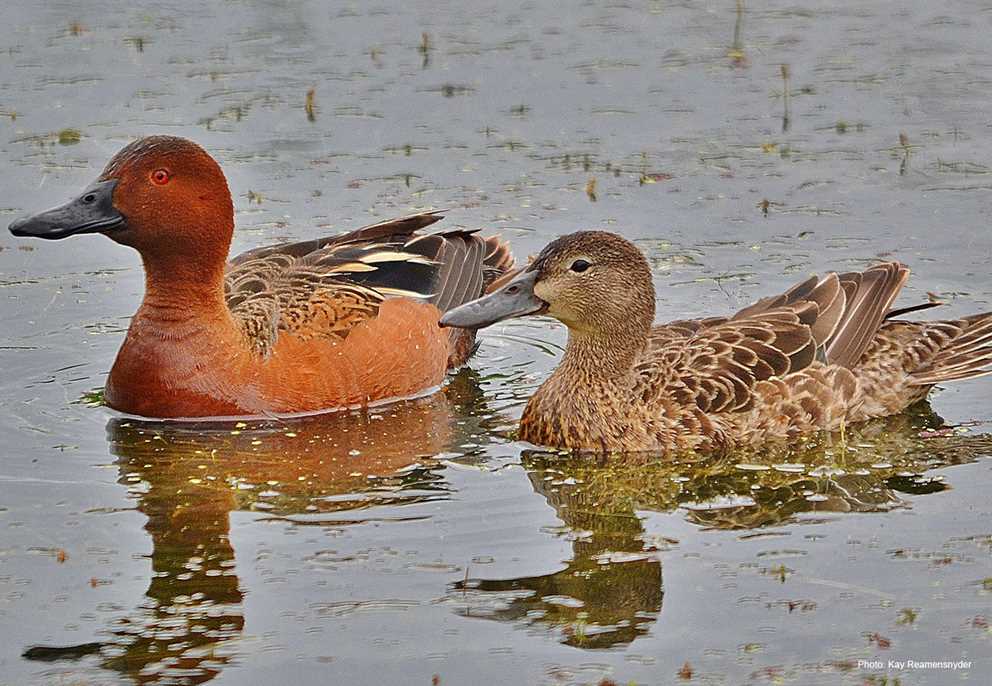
92 212
515 299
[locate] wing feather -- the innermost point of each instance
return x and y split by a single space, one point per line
718 363
869 297
325 287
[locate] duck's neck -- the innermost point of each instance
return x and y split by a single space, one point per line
183 315
183 290
600 360
597 370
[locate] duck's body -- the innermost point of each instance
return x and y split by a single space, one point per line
708 385
342 321
303 327
825 353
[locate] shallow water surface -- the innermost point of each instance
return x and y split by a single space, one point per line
418 543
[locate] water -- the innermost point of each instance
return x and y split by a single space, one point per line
419 542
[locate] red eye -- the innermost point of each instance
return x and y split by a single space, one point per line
160 177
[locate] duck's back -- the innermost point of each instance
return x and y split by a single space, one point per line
826 352
324 288
352 319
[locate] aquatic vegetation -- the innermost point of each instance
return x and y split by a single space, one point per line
591 189
69 136
93 398
310 105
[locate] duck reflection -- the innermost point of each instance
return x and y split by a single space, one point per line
187 478
609 593
611 590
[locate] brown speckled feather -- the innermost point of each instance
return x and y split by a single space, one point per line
324 288
818 355
822 354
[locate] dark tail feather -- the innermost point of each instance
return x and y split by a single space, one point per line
892 314
966 355
498 262
868 297
495 262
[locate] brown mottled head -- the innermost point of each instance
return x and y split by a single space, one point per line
163 195
593 281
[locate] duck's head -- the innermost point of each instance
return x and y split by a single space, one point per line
594 282
161 195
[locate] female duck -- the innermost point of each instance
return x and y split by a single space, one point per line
824 353
334 322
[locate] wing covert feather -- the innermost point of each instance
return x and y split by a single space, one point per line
327 286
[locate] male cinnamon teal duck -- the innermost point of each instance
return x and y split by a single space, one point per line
825 353
334 322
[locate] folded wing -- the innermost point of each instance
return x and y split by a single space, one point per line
327 286
716 363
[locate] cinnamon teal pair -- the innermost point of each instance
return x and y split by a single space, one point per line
352 320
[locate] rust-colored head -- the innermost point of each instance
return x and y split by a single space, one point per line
173 197
163 195
594 282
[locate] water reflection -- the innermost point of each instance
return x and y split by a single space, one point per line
610 592
188 478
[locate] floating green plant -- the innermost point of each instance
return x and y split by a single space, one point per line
907 616
93 398
69 136
310 106
591 189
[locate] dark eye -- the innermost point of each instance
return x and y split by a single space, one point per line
580 266
160 177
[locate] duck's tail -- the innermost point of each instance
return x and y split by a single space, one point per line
843 311
964 350
497 265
